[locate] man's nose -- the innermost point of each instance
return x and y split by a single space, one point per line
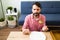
36 11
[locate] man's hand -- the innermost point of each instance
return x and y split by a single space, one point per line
44 28
26 31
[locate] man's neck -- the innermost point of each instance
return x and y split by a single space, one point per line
36 17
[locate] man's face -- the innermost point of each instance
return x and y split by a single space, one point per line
36 9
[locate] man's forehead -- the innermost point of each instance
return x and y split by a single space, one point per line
35 7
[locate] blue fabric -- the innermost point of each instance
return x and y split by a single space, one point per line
52 17
51 9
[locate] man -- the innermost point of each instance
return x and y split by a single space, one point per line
35 21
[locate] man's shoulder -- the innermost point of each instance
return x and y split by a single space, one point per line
42 15
28 16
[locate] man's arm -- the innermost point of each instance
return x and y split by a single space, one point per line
44 28
25 25
25 28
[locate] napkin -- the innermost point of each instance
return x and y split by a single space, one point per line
37 36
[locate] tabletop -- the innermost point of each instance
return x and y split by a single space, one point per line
18 35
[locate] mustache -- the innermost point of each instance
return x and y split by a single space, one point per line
36 14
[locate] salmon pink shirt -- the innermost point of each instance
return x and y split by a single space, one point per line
34 24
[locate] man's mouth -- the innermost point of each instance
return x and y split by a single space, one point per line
36 14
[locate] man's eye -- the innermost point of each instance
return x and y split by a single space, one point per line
37 9
34 9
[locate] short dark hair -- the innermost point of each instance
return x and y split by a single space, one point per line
37 4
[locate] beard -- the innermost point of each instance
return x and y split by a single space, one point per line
36 14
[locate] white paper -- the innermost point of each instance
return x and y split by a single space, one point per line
37 36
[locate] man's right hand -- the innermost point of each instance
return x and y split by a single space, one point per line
26 31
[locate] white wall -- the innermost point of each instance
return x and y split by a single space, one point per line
1 13
40 0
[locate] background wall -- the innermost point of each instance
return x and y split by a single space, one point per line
1 13
40 0
15 3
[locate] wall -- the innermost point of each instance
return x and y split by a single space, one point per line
1 13
40 0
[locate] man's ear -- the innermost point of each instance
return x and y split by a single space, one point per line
40 10
32 10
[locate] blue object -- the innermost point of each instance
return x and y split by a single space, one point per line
51 9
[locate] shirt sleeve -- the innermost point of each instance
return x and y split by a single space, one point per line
44 19
25 25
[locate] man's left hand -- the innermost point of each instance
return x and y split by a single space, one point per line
44 28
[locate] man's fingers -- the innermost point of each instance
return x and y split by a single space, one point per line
26 31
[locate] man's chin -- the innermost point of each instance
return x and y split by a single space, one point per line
36 14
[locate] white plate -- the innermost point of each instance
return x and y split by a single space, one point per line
37 36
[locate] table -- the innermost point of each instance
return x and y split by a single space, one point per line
18 35
55 34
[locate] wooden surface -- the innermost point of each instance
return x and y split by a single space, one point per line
55 34
17 35
4 33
